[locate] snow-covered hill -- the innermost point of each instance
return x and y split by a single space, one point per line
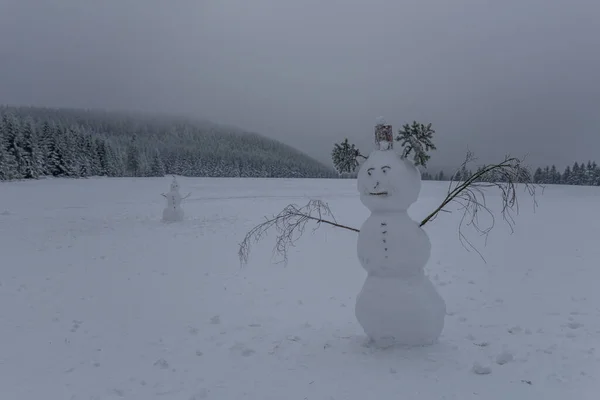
80 143
100 300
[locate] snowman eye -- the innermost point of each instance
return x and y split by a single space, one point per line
385 169
369 171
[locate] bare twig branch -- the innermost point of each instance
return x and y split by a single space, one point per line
469 192
163 195
188 195
289 224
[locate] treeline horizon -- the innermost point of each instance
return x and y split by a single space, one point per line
40 142
581 174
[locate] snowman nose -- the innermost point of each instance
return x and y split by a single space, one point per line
376 185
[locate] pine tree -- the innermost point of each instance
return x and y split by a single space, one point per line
566 177
5 172
133 157
457 176
157 167
115 165
12 147
71 152
596 178
582 175
538 176
575 177
554 175
92 154
594 175
546 175
58 154
585 173
465 174
31 167
45 146
102 157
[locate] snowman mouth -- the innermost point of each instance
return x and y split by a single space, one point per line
378 193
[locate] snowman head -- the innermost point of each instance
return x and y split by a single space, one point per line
174 185
386 182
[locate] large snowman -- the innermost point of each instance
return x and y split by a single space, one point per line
398 304
173 212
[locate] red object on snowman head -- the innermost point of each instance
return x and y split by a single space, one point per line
384 137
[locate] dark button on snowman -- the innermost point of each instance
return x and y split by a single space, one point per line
398 304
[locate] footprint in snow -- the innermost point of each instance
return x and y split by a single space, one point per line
162 364
202 394
76 325
515 329
504 358
242 350
574 325
481 369
248 352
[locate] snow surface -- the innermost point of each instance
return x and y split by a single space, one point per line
101 300
397 303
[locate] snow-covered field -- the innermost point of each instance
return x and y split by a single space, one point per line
101 300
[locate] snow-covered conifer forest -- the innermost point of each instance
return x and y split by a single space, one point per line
37 142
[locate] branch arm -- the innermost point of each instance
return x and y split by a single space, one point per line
319 220
452 195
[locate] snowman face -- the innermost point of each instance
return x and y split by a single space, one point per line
174 186
388 183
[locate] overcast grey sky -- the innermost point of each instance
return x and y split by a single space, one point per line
518 76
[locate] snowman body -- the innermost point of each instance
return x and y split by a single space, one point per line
398 304
173 212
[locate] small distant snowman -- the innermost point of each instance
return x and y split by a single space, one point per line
398 304
173 212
